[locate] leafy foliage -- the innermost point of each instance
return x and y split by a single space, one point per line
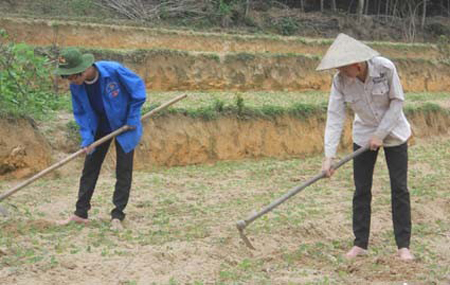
25 81
287 26
443 45
412 20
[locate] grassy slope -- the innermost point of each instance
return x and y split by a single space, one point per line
208 104
282 99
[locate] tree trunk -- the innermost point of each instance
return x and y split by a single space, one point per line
360 8
321 5
349 9
394 9
410 31
247 7
424 13
386 13
379 9
302 5
333 5
366 10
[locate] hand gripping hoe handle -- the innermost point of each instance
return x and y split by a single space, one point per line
242 224
81 151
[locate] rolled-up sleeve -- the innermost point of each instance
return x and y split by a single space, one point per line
393 114
335 120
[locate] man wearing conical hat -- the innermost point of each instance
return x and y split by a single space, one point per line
370 86
105 97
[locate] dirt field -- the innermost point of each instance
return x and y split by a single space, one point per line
195 177
180 227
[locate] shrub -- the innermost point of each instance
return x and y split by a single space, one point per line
287 26
25 81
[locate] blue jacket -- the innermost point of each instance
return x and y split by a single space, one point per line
123 95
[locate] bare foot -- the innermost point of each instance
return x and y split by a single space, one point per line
405 254
355 251
116 225
74 219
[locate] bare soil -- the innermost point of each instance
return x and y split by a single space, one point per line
180 227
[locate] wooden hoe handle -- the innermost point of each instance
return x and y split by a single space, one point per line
81 151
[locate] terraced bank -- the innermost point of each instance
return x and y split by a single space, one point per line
168 70
180 60
211 125
42 32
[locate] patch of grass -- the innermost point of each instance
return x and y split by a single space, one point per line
267 103
426 109
426 96
240 57
248 269
210 105
403 46
73 131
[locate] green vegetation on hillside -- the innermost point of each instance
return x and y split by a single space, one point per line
26 88
211 105
138 55
410 20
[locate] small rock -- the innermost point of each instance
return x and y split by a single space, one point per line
3 252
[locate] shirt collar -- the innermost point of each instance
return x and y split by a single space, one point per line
372 71
103 71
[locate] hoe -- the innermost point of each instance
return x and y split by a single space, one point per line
242 224
81 151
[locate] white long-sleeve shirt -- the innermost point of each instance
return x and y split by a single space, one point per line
377 104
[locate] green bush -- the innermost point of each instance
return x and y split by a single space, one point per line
218 105
287 26
25 81
240 104
443 45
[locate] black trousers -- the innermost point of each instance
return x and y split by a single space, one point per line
91 171
363 166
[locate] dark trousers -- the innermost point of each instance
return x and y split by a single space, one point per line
363 166
91 171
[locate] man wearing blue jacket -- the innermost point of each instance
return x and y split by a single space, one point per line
105 97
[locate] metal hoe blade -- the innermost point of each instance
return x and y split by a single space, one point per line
241 226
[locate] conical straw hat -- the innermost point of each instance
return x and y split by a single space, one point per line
345 50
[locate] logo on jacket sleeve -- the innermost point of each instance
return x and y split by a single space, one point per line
112 89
